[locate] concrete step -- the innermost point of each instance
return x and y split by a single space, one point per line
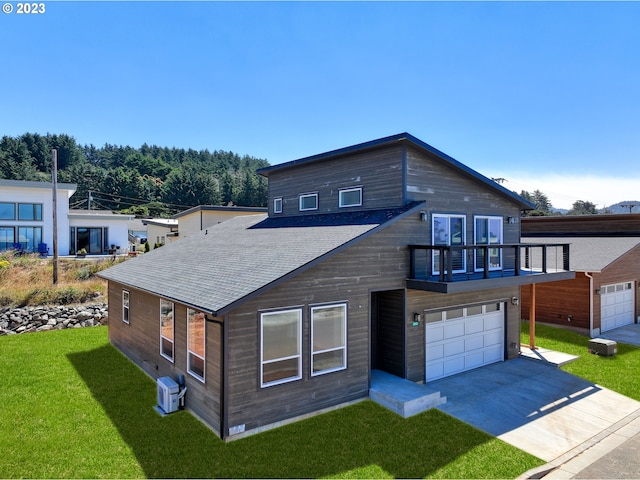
402 396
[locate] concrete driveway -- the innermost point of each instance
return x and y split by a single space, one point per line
535 406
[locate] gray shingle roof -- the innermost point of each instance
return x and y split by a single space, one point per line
591 254
230 261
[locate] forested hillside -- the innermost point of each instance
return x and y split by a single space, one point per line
149 181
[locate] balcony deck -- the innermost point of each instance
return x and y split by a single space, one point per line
523 264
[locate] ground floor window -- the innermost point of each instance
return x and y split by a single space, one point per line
166 329
7 238
125 306
94 240
328 338
196 343
29 238
280 346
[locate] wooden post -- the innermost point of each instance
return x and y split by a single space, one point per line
532 318
54 181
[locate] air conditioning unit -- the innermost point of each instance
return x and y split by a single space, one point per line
168 393
603 347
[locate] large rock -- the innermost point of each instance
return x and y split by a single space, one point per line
43 318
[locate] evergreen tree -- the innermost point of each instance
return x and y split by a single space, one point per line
581 207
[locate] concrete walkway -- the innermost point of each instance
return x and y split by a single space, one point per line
615 453
534 406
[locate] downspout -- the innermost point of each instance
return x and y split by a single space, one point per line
591 330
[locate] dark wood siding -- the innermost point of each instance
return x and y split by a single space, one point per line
140 341
563 303
582 225
378 173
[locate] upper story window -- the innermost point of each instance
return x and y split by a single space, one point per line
308 201
449 230
30 211
277 205
488 231
7 211
351 197
166 329
280 346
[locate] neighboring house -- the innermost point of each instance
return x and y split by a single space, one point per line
160 231
26 215
605 254
388 255
98 232
26 221
198 218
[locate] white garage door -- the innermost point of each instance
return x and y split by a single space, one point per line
616 306
463 338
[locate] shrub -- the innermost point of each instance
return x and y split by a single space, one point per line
4 264
68 295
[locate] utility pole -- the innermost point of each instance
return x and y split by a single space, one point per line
54 181
630 206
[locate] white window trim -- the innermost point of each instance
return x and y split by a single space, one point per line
307 195
335 349
448 216
126 307
346 190
191 352
277 205
477 267
173 330
299 355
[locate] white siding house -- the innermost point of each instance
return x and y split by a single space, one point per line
26 221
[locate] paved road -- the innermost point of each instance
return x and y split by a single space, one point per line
622 462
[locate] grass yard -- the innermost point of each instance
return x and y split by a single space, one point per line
616 373
74 407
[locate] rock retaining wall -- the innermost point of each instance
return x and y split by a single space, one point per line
41 318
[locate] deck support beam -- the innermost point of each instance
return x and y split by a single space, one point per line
532 318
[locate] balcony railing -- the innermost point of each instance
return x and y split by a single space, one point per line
475 262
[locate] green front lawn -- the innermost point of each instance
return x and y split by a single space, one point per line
71 406
618 373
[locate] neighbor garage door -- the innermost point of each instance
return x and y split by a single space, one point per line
463 338
616 305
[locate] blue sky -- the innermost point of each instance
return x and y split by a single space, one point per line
544 94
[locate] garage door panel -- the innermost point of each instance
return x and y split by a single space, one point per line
493 338
474 360
475 325
453 330
435 352
463 343
474 343
493 354
617 306
435 333
453 348
454 365
435 370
